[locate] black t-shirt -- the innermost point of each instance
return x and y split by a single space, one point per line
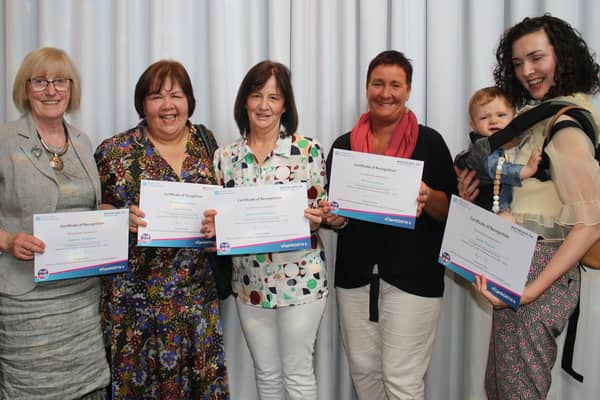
406 259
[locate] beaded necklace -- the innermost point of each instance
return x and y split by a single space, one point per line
496 196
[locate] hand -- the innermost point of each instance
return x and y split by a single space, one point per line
208 227
333 220
424 192
136 218
531 167
314 216
208 224
23 246
468 184
481 286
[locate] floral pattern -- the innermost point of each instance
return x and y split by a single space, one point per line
288 278
523 345
161 317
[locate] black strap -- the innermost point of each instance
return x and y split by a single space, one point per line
543 171
222 266
569 348
544 110
374 297
208 139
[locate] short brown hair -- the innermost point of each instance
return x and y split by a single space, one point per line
153 79
391 57
37 63
254 80
484 96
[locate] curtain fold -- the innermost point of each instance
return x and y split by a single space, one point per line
328 45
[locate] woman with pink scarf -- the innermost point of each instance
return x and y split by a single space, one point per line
388 281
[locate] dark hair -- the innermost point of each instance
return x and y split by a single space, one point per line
576 69
155 76
255 80
391 57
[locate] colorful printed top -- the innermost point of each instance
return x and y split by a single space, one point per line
287 278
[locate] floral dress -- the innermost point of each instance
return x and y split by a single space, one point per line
288 278
161 317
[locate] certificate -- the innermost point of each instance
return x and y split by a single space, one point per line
477 242
81 244
375 188
174 213
262 219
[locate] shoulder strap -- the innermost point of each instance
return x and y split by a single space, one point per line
582 120
208 138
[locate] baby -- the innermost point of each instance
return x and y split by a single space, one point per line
490 110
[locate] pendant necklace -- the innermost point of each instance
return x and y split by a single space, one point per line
55 161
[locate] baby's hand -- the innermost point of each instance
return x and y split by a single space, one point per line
531 167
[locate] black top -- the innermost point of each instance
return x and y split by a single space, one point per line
406 259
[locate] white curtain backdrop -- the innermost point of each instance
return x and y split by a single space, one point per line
328 45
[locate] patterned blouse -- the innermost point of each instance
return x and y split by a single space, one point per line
287 278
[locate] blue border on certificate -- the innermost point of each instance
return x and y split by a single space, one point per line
397 220
302 243
194 242
509 297
90 270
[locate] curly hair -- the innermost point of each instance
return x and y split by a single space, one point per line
576 68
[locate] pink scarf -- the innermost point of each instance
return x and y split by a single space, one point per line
404 138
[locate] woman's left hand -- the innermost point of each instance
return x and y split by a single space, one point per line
314 216
424 192
481 286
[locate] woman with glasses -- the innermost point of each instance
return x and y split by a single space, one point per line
51 343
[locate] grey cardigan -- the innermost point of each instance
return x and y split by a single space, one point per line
28 186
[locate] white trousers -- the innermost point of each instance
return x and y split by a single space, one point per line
388 359
282 343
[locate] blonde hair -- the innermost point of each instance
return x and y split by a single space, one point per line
486 95
38 62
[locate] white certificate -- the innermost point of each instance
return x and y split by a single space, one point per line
375 188
174 213
477 242
81 244
262 219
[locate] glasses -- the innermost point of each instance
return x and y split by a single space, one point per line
39 84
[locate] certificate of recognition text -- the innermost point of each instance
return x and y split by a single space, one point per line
174 213
375 188
477 242
262 219
81 244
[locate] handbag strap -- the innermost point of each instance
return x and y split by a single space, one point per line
207 138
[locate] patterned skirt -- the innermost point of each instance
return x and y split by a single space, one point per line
165 333
51 343
523 343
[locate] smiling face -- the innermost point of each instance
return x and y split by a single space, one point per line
534 63
166 112
387 93
492 116
48 104
265 107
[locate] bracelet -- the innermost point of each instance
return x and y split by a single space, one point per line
342 226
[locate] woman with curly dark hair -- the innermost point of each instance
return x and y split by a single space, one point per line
539 59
